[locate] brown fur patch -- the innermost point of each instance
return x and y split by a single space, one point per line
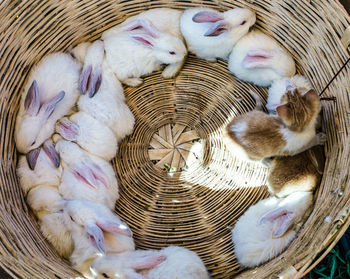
301 172
299 110
262 136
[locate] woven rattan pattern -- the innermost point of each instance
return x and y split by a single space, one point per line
195 206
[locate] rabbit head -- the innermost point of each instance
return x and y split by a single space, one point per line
167 49
92 220
235 22
35 115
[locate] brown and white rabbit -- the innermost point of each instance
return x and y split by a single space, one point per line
301 172
257 135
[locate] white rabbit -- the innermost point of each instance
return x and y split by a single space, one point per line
86 177
259 59
95 230
139 48
280 86
267 228
55 231
210 34
91 135
166 21
172 262
43 169
108 106
49 94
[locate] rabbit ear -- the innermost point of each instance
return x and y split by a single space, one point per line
145 24
257 58
272 215
84 173
84 79
98 173
49 149
32 100
311 96
144 40
216 29
284 223
32 157
207 16
96 236
147 261
67 129
282 111
290 85
114 227
94 83
48 107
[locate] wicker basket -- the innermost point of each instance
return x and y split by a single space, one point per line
179 124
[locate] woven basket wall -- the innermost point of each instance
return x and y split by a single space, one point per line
179 122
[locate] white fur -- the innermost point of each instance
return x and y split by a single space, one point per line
108 105
129 59
179 263
282 64
73 188
279 88
44 174
54 73
210 48
93 136
44 200
86 213
296 141
254 242
55 231
164 19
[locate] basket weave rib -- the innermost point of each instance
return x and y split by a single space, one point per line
178 183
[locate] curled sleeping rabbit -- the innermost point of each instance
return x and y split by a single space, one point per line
172 262
166 21
50 92
139 49
259 59
95 230
267 228
85 176
256 135
91 135
40 186
108 103
211 34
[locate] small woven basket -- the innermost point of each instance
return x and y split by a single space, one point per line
179 185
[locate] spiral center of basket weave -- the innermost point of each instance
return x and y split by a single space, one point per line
171 147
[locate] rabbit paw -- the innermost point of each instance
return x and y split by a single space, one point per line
171 70
133 82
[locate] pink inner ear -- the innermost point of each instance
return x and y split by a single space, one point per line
113 227
84 173
50 151
207 16
99 174
84 78
32 100
216 29
68 129
148 261
282 111
96 236
285 222
143 41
